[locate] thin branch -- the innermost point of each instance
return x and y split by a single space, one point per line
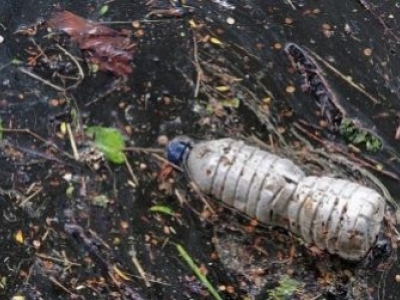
130 170
199 71
31 196
38 137
73 143
44 81
78 65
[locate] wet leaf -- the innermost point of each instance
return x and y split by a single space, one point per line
121 274
192 23
222 88
286 288
109 141
373 144
162 209
69 191
16 62
215 41
346 126
78 27
63 127
103 10
109 49
94 68
358 136
100 200
75 119
232 103
19 237
3 282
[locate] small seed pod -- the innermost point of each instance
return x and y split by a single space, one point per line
336 215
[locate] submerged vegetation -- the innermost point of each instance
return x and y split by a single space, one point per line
359 136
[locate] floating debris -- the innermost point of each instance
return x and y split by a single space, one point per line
336 215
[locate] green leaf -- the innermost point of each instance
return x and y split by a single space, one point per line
162 209
94 68
16 62
103 10
231 103
100 200
69 191
360 138
373 144
109 141
347 128
286 288
198 272
75 118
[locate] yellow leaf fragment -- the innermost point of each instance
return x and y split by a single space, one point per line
192 24
215 41
120 273
19 238
63 128
222 88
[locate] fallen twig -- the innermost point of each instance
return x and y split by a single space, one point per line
72 141
199 71
139 268
57 283
145 150
78 65
44 81
31 196
130 170
38 137
65 262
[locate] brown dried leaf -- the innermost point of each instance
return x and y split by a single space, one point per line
109 49
76 26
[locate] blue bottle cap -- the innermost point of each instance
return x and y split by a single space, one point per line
178 149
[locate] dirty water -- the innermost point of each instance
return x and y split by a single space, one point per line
61 240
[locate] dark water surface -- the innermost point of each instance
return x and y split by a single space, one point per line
238 44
